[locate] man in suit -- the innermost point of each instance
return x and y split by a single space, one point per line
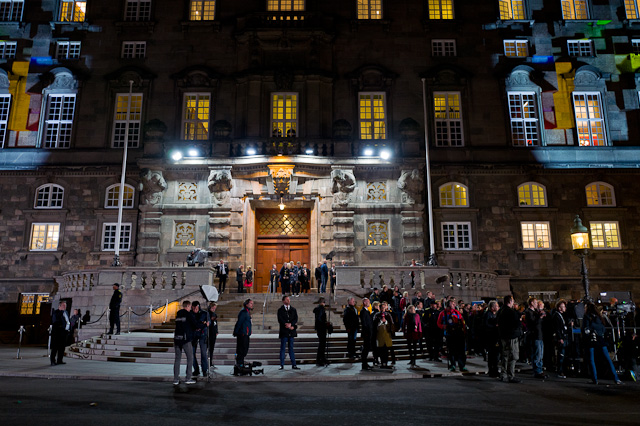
242 331
324 277
60 327
288 320
274 275
240 279
366 330
350 320
318 274
222 271
321 330
114 309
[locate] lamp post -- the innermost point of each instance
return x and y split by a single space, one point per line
580 244
433 260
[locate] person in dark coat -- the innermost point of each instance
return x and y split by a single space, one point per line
593 329
510 328
182 338
274 276
350 320
318 275
534 317
491 338
367 332
200 337
114 309
320 326
60 327
213 330
305 278
242 331
285 279
324 276
412 329
240 279
288 321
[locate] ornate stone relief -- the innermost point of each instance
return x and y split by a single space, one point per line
220 183
376 191
281 175
152 184
344 183
411 184
188 192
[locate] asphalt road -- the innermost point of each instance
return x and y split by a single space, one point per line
476 400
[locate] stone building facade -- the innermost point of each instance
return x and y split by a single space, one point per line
531 118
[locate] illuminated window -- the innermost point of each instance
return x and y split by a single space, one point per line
631 7
59 121
511 10
372 115
8 49
440 9
605 235
11 10
369 9
456 235
68 49
285 5
580 47
127 119
532 194
284 115
49 196
185 234
137 10
443 47
195 116
30 302
448 119
574 9
523 112
516 48
535 235
134 49
112 194
378 233
5 104
109 232
44 236
202 10
73 11
454 194
589 118
635 45
600 194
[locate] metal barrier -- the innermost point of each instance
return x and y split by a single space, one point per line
21 331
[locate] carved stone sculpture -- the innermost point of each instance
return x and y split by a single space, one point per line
411 184
152 184
220 183
344 183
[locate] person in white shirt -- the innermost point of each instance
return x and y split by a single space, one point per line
60 327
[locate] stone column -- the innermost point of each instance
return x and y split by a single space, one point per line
343 185
411 185
152 186
220 184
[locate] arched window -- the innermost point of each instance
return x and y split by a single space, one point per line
600 194
113 193
532 194
454 194
49 196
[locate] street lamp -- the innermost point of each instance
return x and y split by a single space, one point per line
580 244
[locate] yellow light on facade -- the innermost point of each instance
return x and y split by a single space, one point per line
579 235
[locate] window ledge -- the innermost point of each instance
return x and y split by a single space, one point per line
534 209
384 23
540 252
565 22
374 249
200 26
461 251
145 25
66 26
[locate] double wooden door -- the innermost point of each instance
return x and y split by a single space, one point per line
281 236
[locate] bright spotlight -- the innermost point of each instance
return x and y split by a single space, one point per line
251 151
385 155
368 152
309 151
193 152
177 156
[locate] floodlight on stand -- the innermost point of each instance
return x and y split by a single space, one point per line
209 292
308 151
176 155
193 152
385 154
251 151
368 152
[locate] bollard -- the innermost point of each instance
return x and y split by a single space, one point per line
150 315
49 342
108 317
166 310
129 322
20 330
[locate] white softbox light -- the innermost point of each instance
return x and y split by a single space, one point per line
209 292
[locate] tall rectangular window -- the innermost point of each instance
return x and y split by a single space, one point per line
195 116
448 119
127 120
44 236
580 47
456 235
511 10
535 235
440 9
30 302
372 115
574 9
73 11
525 121
8 49
59 121
137 10
68 49
516 48
134 49
589 119
285 5
284 115
443 47
202 10
5 104
631 7
369 9
605 235
109 231
11 10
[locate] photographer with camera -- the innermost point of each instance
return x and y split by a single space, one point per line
198 257
593 335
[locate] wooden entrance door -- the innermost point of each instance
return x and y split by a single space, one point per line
281 236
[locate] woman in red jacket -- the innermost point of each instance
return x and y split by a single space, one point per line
412 329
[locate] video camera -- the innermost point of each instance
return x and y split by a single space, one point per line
248 369
198 256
